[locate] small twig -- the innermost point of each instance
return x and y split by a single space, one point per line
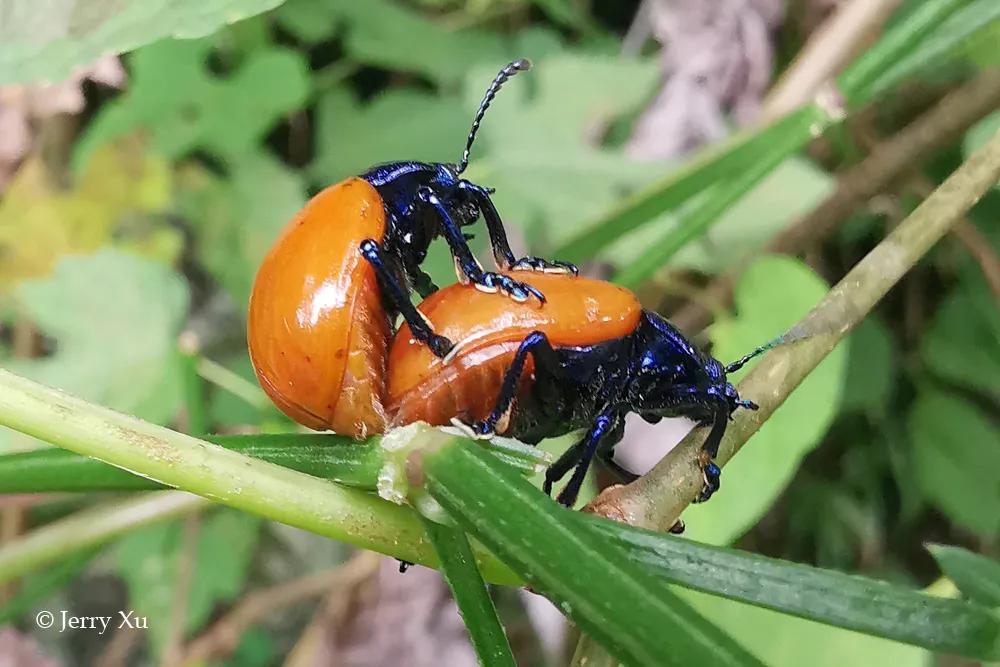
982 251
223 637
829 49
940 126
656 500
639 31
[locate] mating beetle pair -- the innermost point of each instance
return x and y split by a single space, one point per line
529 359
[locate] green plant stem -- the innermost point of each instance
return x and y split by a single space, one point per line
458 564
89 528
255 486
195 400
656 500
631 614
235 384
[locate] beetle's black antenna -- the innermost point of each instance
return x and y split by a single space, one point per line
743 361
507 72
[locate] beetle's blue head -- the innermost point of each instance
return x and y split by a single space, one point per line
676 379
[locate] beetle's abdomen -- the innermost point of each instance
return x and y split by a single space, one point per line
465 389
317 331
488 329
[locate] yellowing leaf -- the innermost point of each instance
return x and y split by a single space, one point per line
40 221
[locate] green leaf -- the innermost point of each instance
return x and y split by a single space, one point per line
458 564
788 192
183 107
338 458
871 368
236 220
44 41
620 605
951 27
704 212
778 639
960 344
954 461
980 133
534 148
149 560
710 166
389 35
975 575
906 40
399 125
309 20
115 318
852 602
771 295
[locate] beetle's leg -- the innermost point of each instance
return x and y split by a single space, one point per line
400 300
423 285
468 268
502 254
580 455
535 344
711 473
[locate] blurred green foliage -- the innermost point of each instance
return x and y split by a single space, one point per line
178 185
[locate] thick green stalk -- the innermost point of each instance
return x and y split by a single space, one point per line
181 461
633 615
657 499
458 564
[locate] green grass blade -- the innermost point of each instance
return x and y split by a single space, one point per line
334 457
976 576
458 564
707 168
939 46
630 613
834 598
863 79
696 221
337 458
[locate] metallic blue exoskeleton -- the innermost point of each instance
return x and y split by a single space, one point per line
654 371
425 200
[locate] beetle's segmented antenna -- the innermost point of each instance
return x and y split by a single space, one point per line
507 72
743 361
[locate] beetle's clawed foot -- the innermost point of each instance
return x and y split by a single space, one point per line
711 474
440 345
544 266
515 289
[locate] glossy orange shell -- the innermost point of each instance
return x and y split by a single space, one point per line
488 329
317 331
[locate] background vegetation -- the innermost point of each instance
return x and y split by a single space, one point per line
138 199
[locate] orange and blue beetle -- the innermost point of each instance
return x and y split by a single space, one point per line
327 293
587 358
